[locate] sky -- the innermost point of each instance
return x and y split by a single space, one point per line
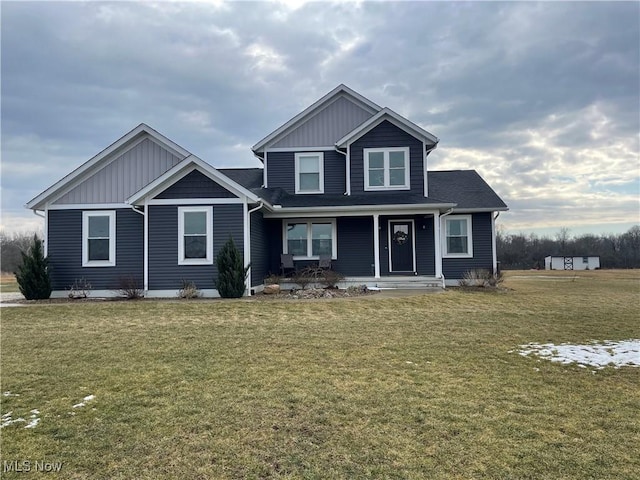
542 99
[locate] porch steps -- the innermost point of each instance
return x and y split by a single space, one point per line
410 283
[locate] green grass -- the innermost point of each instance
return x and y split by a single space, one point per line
323 389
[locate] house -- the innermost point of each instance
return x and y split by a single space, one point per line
344 178
560 262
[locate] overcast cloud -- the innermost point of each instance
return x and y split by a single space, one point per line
542 99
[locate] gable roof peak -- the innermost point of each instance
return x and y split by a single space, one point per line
313 109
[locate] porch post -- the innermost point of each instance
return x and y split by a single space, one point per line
247 245
436 242
376 244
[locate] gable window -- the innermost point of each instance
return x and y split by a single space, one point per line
309 172
99 238
457 236
195 236
386 168
310 239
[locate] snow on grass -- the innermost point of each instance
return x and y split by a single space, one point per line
624 353
7 420
86 399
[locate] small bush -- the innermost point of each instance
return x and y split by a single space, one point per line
231 271
189 290
129 288
272 279
79 289
330 278
305 276
481 278
33 275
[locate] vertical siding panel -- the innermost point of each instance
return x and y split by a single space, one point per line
124 176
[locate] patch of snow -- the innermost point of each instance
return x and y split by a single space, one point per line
9 394
33 422
88 398
625 353
35 411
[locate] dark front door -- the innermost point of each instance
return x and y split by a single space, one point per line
401 233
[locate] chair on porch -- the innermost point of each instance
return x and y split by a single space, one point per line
324 262
286 263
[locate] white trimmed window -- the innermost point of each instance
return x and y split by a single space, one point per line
307 240
309 172
99 238
386 168
195 236
457 236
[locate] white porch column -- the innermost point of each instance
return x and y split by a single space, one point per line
436 242
376 244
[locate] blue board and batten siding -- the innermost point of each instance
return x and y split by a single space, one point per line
281 172
64 249
164 271
387 135
454 268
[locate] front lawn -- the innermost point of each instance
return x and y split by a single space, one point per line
428 386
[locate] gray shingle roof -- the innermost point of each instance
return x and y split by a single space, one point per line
465 188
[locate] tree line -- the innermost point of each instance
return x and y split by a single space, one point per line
515 251
520 251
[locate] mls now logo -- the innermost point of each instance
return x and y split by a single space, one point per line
28 466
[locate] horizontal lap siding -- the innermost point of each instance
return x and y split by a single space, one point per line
454 268
355 246
281 171
64 250
259 249
196 185
164 271
387 135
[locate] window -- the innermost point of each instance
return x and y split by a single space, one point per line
585 259
99 238
457 236
310 172
386 168
310 239
195 236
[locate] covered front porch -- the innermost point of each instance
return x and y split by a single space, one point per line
399 249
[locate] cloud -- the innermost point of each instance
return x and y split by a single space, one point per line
541 98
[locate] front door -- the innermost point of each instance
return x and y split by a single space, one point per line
402 248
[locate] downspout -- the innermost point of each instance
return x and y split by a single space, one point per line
448 212
247 240
35 212
347 170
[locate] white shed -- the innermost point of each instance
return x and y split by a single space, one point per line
559 262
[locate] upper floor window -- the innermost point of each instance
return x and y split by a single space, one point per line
386 168
310 172
99 238
195 236
457 236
